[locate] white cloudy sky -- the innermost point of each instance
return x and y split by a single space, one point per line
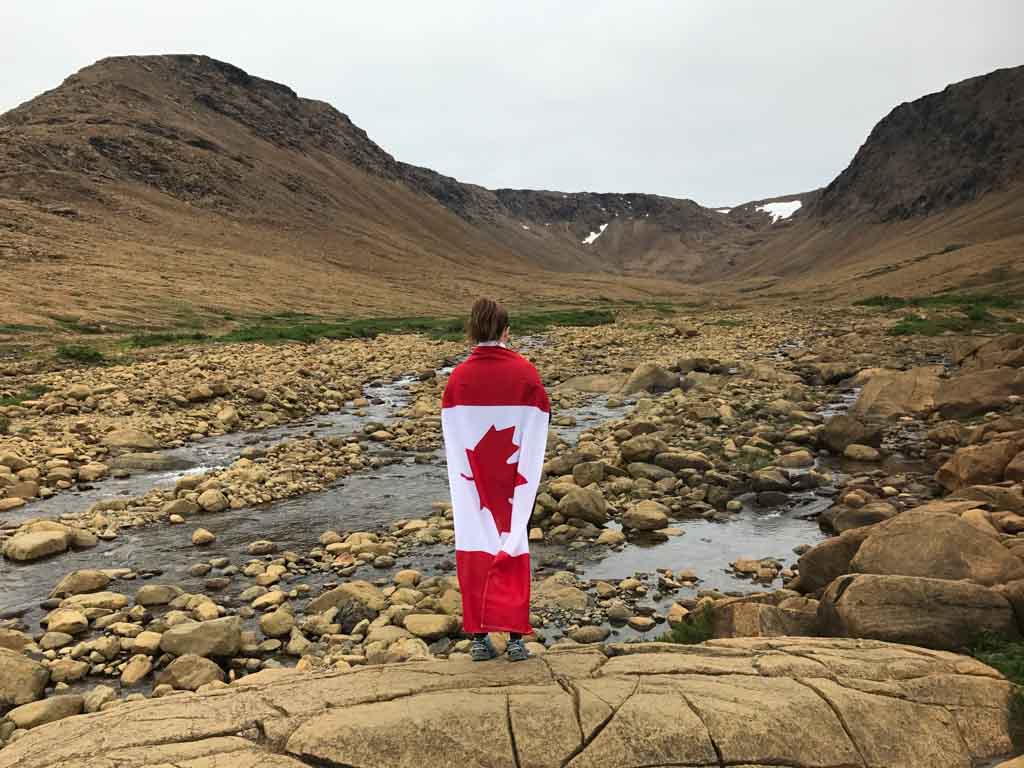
717 100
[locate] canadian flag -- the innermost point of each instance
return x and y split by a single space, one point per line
494 416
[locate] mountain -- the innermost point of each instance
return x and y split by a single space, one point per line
932 201
169 190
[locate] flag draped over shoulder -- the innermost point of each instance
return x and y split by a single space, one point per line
494 415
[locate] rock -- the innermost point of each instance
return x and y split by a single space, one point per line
822 564
796 460
842 518
277 623
79 582
560 591
262 547
935 545
68 670
91 472
431 626
652 472
13 640
589 634
34 545
146 461
611 537
977 465
842 431
977 392
585 504
107 601
125 440
49 710
190 672
898 393
136 670
156 594
407 578
642 448
677 460
179 507
587 472
355 601
219 637
742 618
147 642
934 613
646 516
641 623
212 500
68 621
97 697
856 452
13 502
644 704
1015 469
201 537
649 377
21 679
228 417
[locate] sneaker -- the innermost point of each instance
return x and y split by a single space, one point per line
517 650
482 649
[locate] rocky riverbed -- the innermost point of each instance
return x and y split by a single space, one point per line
204 514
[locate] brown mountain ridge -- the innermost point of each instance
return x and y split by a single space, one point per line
143 189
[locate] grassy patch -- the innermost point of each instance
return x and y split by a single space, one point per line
75 325
80 353
19 328
144 340
949 312
698 627
31 393
949 300
1007 657
526 323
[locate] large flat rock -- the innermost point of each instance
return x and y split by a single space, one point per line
799 702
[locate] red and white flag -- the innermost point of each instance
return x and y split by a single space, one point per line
494 415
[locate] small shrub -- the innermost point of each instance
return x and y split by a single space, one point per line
696 628
80 354
30 393
161 339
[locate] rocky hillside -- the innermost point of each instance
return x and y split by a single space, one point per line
935 153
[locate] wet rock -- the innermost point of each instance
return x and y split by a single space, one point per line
646 516
79 582
218 637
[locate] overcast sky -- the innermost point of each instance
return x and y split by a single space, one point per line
721 101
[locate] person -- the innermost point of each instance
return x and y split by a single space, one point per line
494 417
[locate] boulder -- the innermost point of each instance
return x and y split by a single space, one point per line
843 430
147 461
934 613
585 504
935 545
977 465
156 594
642 448
136 670
646 516
67 620
888 394
218 637
1014 471
355 601
21 679
649 377
842 518
277 623
190 672
126 440
976 392
430 626
742 618
857 452
559 591
212 500
677 460
37 713
107 601
822 564
589 634
80 582
35 545
587 472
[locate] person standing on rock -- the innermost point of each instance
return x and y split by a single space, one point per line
494 415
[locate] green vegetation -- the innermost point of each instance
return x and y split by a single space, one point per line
31 393
697 628
1007 657
79 353
949 312
439 328
160 339
75 325
19 328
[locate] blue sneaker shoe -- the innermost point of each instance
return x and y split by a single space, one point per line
516 650
482 649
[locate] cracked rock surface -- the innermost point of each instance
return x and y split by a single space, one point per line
798 702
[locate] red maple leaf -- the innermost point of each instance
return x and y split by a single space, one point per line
494 477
